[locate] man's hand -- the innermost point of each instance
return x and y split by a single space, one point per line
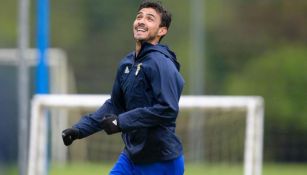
69 135
110 124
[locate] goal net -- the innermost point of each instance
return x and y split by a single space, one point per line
224 134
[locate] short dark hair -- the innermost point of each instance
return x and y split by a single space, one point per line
166 16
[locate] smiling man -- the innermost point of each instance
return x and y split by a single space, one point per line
144 102
148 26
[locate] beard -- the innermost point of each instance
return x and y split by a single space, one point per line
148 39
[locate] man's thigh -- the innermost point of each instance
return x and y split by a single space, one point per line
172 167
123 166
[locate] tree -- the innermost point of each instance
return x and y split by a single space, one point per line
280 77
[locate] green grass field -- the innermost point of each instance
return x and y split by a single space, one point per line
190 169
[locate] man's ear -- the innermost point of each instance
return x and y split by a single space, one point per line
162 31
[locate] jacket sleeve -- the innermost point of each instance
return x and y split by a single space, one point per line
167 84
89 124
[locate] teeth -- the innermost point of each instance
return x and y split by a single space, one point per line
141 30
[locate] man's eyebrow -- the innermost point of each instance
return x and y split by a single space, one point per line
149 14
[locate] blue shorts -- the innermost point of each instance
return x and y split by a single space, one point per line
124 166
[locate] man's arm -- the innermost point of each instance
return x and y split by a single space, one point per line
91 123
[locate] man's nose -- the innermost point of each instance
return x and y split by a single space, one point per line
141 21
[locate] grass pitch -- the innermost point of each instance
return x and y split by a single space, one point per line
190 169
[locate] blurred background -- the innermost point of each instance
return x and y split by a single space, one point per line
248 47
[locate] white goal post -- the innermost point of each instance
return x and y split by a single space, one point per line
254 105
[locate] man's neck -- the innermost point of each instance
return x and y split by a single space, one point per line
138 46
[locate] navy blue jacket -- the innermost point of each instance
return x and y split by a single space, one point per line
145 97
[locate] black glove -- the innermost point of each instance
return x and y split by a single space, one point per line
69 135
110 124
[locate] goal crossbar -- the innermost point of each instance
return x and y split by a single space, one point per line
37 164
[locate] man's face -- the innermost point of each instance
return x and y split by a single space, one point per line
146 26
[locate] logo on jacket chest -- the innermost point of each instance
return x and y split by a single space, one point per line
127 70
132 78
138 68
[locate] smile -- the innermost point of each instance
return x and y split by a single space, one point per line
140 29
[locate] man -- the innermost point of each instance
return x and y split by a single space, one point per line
144 102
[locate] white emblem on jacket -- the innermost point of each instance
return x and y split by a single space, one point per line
127 70
138 68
